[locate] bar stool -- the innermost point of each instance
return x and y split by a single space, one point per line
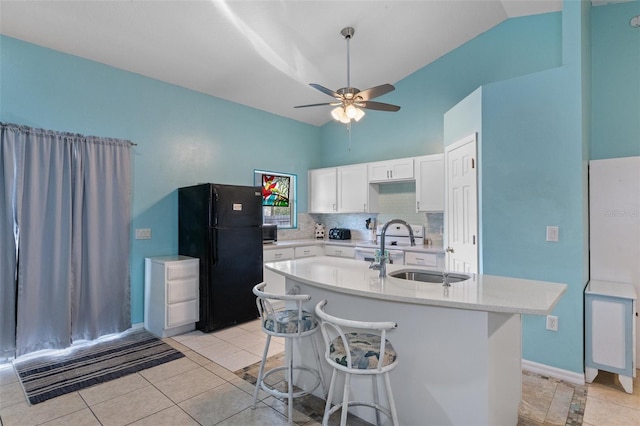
358 351
291 324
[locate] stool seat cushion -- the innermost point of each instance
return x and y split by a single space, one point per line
288 322
365 351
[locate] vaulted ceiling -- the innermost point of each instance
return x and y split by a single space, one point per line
262 54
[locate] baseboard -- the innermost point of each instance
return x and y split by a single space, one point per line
557 373
137 326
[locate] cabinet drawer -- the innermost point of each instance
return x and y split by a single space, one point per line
181 290
182 270
422 259
278 254
306 251
182 313
340 251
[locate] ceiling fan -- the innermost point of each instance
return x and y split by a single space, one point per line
349 100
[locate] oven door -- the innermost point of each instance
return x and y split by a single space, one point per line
368 254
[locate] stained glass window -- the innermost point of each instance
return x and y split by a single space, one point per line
275 190
278 198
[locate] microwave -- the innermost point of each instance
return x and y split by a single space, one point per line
269 233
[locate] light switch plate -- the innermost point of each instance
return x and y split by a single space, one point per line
552 233
143 234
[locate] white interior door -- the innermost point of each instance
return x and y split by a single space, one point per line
462 205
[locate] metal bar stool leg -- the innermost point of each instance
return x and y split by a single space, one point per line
392 404
345 399
261 371
289 351
376 398
327 407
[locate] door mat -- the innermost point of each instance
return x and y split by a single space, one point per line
55 374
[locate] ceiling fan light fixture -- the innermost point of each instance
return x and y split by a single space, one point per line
351 111
359 114
338 114
350 102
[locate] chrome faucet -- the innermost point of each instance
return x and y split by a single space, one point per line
380 264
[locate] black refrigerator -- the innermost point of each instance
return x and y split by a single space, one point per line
222 226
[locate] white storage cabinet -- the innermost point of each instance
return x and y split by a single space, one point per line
275 282
171 301
339 190
339 251
430 183
426 259
323 196
391 170
610 310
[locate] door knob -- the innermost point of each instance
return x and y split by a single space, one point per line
449 250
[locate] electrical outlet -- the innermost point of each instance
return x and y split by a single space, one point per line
553 233
552 322
143 234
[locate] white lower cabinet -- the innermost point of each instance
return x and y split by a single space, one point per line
610 310
275 282
339 251
171 294
307 251
429 260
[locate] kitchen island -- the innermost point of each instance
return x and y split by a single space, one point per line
459 347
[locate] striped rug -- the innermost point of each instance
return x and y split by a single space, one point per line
54 374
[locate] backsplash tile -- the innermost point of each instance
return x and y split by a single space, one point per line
396 201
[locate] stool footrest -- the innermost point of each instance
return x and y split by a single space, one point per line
275 392
377 407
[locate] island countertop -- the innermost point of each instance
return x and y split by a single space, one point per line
487 293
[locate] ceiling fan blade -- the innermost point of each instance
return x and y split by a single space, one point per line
315 105
374 92
325 90
378 106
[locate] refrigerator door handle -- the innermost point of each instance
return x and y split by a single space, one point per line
214 247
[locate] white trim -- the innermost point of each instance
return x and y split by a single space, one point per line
137 326
547 370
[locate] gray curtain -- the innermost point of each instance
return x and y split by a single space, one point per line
68 200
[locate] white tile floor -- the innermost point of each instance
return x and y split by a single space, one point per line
202 389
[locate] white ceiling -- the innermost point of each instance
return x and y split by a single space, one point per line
263 53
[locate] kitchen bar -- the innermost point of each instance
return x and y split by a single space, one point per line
459 346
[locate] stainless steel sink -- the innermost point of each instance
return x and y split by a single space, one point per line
428 276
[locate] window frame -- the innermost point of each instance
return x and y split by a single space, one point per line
293 196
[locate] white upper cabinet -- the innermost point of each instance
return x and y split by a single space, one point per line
391 170
322 190
353 189
339 189
430 183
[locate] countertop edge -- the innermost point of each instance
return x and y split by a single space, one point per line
476 306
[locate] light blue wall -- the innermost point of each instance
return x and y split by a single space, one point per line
515 47
183 137
615 120
533 163
533 150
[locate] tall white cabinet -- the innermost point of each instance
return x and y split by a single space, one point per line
171 290
614 224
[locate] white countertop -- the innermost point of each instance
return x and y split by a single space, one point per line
481 292
348 243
